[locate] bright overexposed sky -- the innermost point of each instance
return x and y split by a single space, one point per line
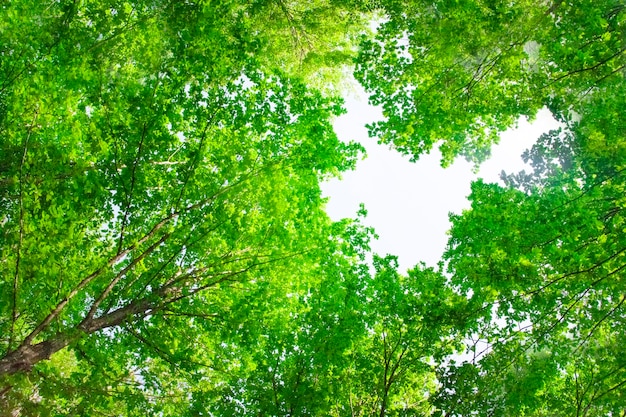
408 203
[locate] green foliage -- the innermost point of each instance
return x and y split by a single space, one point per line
458 73
541 262
164 248
157 168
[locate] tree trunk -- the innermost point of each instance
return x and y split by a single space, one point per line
24 357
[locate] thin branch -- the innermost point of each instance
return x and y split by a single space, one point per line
122 273
176 313
193 164
595 397
160 352
18 255
598 323
591 68
126 28
295 32
129 194
161 268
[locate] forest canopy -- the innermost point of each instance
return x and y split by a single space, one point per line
164 245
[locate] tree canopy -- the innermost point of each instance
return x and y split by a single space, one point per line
456 74
164 245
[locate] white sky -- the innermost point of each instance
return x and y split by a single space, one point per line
408 203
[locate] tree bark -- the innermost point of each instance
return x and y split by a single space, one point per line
25 356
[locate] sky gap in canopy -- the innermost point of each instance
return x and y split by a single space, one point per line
408 203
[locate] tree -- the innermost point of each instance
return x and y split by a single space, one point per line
457 74
154 172
541 262
163 242
411 322
354 343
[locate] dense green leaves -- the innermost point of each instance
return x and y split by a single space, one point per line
156 171
457 74
543 268
164 248
540 260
